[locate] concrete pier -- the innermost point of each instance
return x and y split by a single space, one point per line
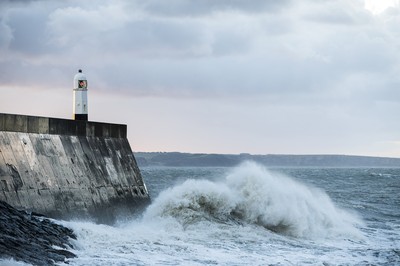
69 168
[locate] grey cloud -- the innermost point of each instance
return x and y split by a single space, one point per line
391 18
5 35
228 43
206 7
221 77
337 12
26 26
28 32
329 17
276 26
12 3
152 38
353 51
201 57
135 36
148 37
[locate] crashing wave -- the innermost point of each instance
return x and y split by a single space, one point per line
252 194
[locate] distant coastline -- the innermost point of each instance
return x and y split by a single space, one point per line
179 159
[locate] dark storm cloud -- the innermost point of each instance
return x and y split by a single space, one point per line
25 24
167 47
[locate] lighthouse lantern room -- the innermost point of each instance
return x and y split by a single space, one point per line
80 97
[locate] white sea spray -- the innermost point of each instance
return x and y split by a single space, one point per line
252 194
249 215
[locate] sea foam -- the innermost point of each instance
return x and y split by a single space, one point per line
251 194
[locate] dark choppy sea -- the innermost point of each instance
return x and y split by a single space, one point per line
251 215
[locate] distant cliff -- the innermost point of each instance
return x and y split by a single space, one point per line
272 160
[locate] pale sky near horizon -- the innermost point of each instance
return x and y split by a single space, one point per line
213 76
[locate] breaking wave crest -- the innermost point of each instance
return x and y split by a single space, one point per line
251 194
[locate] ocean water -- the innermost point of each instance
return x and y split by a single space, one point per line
251 215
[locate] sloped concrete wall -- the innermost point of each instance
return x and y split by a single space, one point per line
66 168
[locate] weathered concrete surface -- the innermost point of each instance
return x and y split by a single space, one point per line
65 168
56 126
32 239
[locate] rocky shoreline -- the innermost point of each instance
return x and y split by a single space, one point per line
32 238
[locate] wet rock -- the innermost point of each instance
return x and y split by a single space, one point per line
32 238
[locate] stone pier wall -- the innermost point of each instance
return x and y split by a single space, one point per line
69 169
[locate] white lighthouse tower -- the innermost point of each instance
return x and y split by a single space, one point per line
80 97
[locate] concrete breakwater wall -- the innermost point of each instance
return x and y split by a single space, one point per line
66 168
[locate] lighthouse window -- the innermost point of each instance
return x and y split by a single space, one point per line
82 84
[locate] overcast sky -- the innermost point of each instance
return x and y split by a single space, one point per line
213 76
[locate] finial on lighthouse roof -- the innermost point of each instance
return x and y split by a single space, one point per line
80 70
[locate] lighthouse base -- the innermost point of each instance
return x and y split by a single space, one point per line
81 117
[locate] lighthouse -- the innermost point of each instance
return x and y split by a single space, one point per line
80 97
